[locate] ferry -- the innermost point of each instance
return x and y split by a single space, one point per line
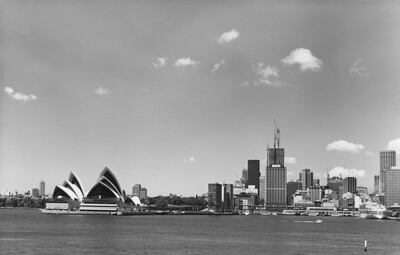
372 211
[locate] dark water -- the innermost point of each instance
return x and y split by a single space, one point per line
25 231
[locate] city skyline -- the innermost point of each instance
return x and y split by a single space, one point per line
176 96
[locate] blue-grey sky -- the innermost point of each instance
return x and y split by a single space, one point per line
176 94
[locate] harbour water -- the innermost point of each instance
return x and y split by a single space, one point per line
26 231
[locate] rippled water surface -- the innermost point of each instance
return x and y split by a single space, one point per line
25 231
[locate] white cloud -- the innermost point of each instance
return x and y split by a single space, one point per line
344 172
216 66
161 62
344 146
228 36
358 69
290 160
102 91
269 75
190 160
19 96
182 62
304 58
394 145
369 153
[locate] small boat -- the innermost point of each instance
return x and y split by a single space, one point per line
318 221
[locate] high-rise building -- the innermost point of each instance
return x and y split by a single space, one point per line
335 183
350 185
42 188
376 184
245 177
392 186
253 168
306 178
143 193
291 188
262 190
316 183
214 197
275 174
387 161
227 197
35 192
136 190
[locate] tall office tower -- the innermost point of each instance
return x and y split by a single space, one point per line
35 192
275 174
262 191
336 185
306 178
376 184
350 185
227 197
245 177
214 197
392 186
136 190
253 168
291 188
42 188
387 161
143 193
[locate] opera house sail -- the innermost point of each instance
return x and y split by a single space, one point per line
105 197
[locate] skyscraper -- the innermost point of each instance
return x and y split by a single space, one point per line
392 186
214 197
253 168
136 190
42 188
387 161
292 187
275 174
262 191
306 178
227 197
350 185
376 184
245 177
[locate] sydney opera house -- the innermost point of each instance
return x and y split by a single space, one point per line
106 196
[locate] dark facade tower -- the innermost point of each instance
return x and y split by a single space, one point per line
387 159
306 178
214 197
275 174
376 184
42 188
350 185
253 168
292 187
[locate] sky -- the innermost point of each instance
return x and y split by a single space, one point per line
177 94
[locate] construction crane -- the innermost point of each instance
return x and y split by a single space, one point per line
277 136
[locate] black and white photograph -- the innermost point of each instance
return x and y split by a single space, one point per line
191 127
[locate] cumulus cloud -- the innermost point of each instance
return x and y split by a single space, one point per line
344 146
102 91
161 62
304 58
358 69
344 172
190 160
19 96
369 153
290 160
182 62
228 36
268 75
394 145
216 66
